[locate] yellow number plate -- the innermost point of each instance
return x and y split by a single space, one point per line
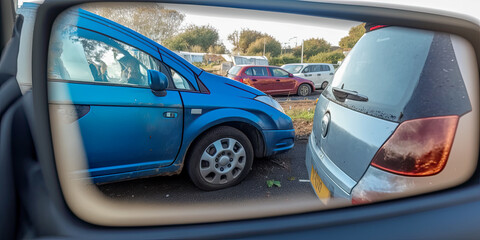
320 189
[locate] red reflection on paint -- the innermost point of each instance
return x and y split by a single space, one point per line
377 27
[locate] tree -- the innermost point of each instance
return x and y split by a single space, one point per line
149 19
251 42
247 37
311 47
196 48
234 38
177 43
272 46
217 49
327 57
196 39
242 40
354 35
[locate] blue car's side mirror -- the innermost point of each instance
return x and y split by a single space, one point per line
157 81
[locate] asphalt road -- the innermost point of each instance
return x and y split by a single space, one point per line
288 168
313 96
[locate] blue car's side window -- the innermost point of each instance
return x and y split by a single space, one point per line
179 81
91 57
67 59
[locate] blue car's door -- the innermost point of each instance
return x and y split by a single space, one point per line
125 127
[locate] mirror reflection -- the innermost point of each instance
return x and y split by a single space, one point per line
176 105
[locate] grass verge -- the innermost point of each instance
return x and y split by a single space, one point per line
302 113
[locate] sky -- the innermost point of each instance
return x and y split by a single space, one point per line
290 29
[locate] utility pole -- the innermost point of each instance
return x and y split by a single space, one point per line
263 46
301 58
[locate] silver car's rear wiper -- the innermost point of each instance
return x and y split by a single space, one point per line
342 94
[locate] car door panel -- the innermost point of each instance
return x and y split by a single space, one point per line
124 129
307 73
260 83
259 78
283 82
316 75
326 74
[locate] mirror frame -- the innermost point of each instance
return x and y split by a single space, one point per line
73 226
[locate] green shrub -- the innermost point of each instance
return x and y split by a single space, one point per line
327 57
283 59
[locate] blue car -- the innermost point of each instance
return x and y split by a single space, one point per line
144 111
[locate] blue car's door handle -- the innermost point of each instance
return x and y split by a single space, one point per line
170 114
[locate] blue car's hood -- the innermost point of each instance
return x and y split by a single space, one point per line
217 83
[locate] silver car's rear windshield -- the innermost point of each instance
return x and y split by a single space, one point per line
385 65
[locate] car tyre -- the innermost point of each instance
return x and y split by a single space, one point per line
304 90
324 85
219 159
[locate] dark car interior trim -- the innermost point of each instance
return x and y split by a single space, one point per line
10 95
7 9
39 179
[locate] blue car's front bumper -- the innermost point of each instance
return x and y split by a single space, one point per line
278 141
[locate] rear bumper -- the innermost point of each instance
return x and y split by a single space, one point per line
339 184
278 141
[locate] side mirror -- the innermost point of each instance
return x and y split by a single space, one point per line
290 75
157 81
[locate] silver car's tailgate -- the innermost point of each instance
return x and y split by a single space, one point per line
352 137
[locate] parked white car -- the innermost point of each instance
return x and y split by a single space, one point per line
321 74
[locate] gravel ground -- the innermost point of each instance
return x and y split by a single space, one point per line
287 168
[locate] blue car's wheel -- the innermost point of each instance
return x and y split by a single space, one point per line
219 159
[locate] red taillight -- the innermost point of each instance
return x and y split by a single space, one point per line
237 78
418 147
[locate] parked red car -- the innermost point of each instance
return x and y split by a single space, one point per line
271 80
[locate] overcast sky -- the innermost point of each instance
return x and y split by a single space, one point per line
284 27
291 29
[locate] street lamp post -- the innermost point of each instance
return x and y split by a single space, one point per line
296 38
301 58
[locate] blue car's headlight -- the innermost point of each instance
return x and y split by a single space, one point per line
271 102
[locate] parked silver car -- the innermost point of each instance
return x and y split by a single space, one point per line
321 74
398 119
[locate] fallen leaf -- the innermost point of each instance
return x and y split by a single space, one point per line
269 183
277 183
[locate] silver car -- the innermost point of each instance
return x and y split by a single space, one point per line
400 117
321 74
